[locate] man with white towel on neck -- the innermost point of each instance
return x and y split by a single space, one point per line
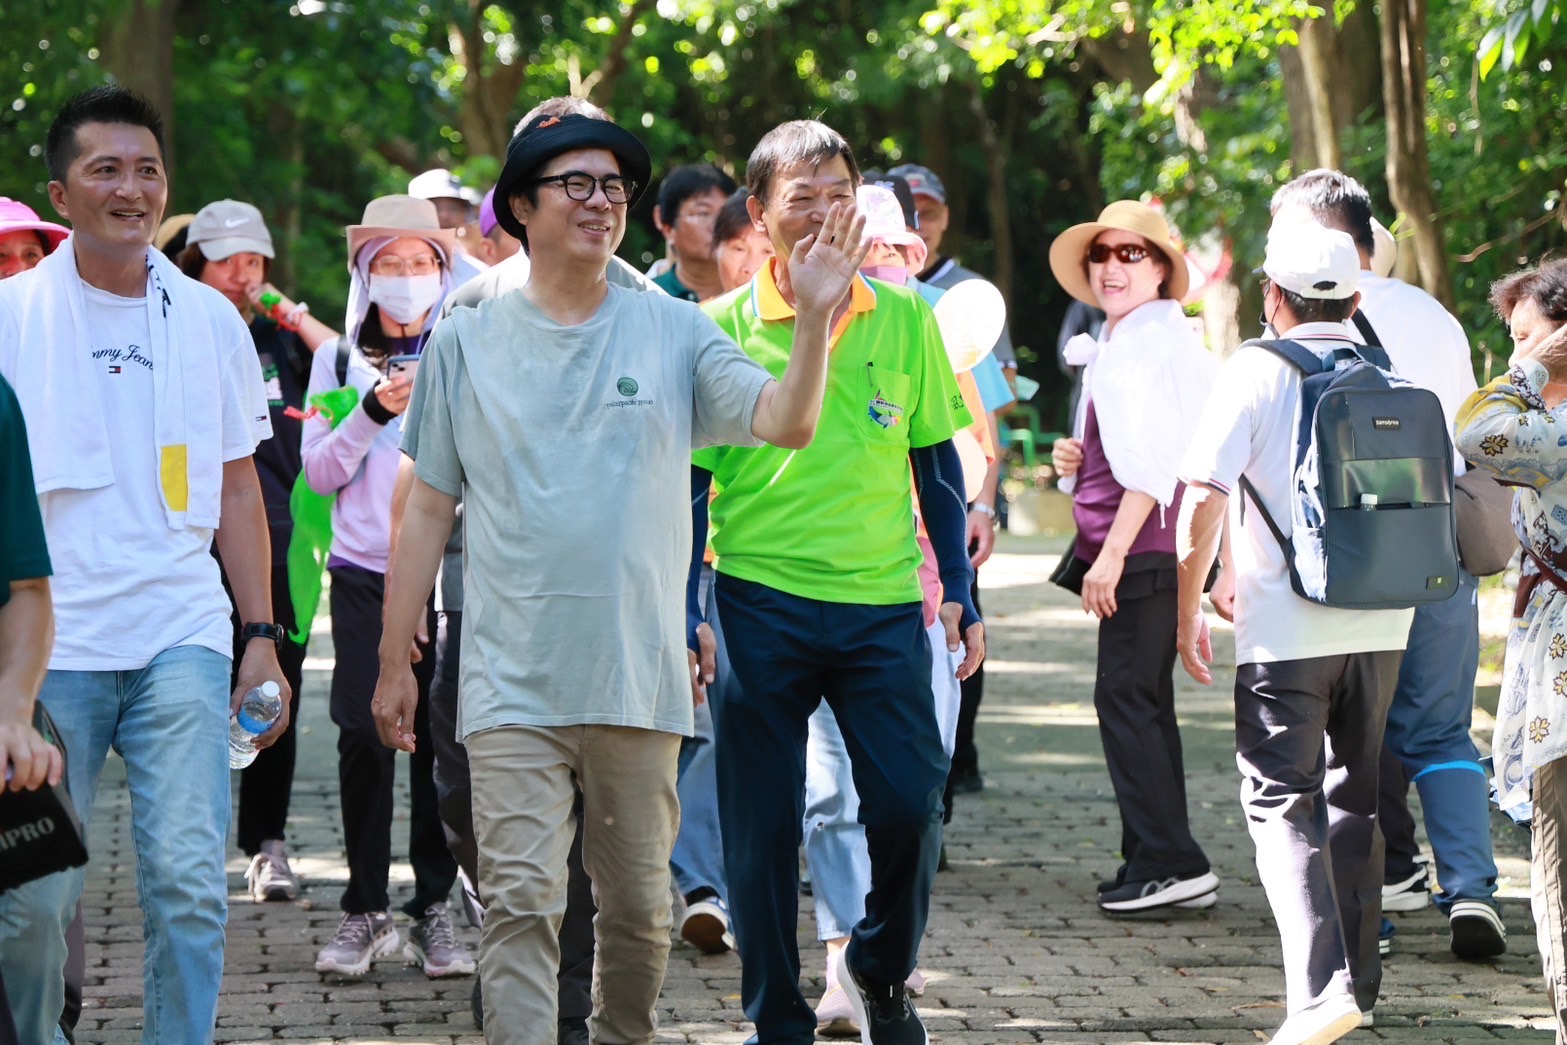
145 403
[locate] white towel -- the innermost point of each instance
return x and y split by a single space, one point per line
62 398
1148 380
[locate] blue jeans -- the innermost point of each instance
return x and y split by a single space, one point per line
1428 731
698 859
169 722
835 849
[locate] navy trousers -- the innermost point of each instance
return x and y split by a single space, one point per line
872 664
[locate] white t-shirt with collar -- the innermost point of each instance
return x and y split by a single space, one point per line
1249 427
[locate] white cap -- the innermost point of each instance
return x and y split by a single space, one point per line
1385 256
1315 262
441 184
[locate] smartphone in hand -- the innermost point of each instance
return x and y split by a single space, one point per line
402 367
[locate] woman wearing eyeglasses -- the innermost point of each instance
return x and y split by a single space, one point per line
1147 377
399 260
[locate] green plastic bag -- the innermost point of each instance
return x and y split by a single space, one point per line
312 541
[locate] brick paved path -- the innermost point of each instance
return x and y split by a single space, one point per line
1017 951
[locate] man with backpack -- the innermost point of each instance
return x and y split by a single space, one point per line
1313 679
1433 704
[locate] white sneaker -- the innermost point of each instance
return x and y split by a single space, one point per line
705 926
359 940
269 877
1320 1023
433 945
1411 894
1144 896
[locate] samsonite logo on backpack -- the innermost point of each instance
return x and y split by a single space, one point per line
1371 516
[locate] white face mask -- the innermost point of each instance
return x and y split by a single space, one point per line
405 298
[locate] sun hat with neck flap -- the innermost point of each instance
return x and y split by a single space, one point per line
1069 251
546 137
397 217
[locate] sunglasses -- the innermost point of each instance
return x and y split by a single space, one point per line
1125 253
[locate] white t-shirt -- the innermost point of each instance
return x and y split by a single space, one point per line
126 587
1424 341
1249 427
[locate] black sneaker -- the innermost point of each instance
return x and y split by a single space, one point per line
885 1014
1478 932
1143 896
1111 884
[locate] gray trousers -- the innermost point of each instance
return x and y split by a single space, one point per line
1307 736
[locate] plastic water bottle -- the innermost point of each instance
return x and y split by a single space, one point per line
257 712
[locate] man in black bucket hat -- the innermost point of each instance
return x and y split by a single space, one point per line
563 414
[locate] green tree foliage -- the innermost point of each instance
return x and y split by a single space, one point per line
1035 112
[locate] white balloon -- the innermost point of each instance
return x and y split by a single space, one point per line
971 316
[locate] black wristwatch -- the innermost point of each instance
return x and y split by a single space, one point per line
262 631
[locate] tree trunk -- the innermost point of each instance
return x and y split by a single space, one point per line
1408 164
1309 71
996 201
1331 80
489 87
138 51
600 86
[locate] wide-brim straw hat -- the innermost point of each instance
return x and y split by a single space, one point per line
1069 252
399 216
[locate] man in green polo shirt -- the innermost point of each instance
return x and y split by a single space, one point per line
818 597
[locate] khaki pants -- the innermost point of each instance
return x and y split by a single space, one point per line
522 801
1546 885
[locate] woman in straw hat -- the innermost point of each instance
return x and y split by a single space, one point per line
1147 376
399 260
25 238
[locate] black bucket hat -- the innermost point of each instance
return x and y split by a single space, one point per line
546 137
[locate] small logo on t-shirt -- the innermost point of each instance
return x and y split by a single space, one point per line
628 389
885 412
116 356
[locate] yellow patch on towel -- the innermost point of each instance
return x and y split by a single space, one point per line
176 485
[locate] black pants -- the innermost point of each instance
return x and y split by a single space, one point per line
266 785
366 768
454 792
784 655
1308 734
1134 698
1395 820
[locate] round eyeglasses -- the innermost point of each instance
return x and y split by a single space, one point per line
392 265
580 186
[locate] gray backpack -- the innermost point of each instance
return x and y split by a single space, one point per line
1371 516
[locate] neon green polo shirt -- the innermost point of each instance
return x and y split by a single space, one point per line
835 521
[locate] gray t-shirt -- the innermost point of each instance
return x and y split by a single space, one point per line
511 274
571 448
